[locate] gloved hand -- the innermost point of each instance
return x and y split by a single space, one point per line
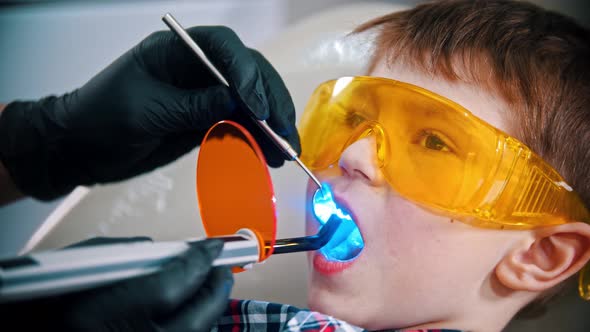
186 295
147 108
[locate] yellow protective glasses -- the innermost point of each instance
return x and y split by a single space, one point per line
438 154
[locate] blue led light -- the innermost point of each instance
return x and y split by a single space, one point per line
347 243
324 206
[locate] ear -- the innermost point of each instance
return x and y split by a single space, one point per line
550 256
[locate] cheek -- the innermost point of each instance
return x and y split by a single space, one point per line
420 244
416 244
406 230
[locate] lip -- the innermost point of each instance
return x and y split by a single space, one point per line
329 267
324 266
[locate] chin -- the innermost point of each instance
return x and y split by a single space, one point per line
348 311
351 304
330 302
322 302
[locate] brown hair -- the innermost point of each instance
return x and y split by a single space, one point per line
537 60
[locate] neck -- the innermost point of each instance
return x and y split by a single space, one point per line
490 311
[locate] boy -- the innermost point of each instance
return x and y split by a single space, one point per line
462 224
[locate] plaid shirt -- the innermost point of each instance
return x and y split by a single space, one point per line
259 316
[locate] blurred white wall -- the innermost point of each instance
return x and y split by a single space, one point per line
52 48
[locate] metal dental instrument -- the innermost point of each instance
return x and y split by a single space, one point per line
308 243
57 272
278 140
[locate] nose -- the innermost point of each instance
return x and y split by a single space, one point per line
359 161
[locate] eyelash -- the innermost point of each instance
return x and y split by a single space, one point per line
427 133
353 119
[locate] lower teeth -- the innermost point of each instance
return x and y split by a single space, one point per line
346 244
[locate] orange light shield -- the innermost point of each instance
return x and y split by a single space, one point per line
234 187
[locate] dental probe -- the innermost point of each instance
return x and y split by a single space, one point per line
278 140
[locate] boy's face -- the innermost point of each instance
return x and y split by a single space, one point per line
417 267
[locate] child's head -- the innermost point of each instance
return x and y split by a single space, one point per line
522 70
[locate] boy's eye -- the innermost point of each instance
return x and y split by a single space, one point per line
353 119
433 141
350 117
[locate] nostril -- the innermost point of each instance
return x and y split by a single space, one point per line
344 171
359 160
354 172
360 173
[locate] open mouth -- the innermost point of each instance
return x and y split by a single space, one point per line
347 243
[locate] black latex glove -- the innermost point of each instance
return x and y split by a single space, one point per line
149 107
186 295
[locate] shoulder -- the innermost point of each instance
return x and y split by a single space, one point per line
251 315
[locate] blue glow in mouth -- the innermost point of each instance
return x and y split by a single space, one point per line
347 243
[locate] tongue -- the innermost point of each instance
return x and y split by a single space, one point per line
346 244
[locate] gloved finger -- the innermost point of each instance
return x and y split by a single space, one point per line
154 295
282 111
205 306
273 155
107 240
184 276
170 149
166 58
158 153
105 163
235 62
182 111
164 291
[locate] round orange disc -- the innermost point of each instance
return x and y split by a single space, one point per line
234 187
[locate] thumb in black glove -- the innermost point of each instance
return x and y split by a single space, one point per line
187 294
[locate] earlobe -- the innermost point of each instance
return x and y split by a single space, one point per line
552 255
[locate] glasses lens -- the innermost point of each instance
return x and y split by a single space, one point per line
433 151
327 124
234 187
430 150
